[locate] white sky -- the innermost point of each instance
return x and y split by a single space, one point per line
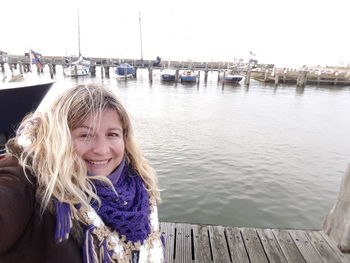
283 32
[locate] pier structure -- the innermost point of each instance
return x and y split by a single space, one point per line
192 243
266 73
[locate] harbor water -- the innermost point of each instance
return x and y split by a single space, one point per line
257 156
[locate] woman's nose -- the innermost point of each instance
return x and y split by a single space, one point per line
100 146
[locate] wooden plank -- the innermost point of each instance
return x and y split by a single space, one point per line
218 244
304 245
321 245
271 247
345 257
168 230
183 251
201 244
252 243
289 249
236 245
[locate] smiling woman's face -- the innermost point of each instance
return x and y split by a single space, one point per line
100 146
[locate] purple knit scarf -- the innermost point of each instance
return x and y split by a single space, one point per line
128 212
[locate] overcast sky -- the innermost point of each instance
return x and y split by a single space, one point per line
283 32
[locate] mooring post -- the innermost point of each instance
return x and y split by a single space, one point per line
106 68
53 68
276 78
336 78
247 77
126 74
218 75
20 67
150 74
199 77
93 70
285 72
206 75
302 78
2 67
337 222
135 73
51 71
76 70
176 75
266 72
102 67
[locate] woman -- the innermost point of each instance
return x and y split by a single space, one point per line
76 188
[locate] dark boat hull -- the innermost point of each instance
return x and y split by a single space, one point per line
16 102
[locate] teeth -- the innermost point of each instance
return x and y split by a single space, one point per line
102 162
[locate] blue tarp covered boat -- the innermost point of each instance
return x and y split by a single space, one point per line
125 69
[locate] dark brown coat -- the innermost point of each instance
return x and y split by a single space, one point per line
25 235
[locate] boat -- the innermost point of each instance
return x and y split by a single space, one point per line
125 70
78 68
232 77
168 74
16 100
81 67
188 76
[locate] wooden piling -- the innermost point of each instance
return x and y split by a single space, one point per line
218 75
20 67
51 71
76 70
206 75
266 73
247 77
199 77
276 79
150 74
2 67
135 74
102 68
106 68
302 78
176 75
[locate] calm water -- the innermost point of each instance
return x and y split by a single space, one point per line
260 156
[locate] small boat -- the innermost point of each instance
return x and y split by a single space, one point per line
16 100
125 70
232 77
188 76
78 68
168 74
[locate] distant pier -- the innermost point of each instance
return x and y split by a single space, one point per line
262 72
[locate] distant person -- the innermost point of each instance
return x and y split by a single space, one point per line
76 188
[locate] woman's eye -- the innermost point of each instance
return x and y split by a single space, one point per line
86 135
113 134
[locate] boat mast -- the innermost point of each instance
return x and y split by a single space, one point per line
140 36
79 34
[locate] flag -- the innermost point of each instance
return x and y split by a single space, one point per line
35 57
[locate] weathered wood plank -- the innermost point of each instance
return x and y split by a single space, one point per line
183 251
322 247
305 247
286 243
236 245
271 247
218 244
252 243
168 230
345 257
201 244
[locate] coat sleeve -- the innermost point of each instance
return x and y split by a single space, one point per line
16 205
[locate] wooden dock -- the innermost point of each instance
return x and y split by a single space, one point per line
208 243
